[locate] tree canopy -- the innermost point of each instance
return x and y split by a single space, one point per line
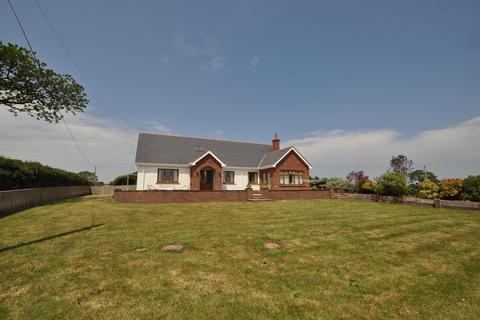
28 86
90 176
401 165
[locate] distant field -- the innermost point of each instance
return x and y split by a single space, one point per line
338 259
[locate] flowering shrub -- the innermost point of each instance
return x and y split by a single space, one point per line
429 190
450 188
369 186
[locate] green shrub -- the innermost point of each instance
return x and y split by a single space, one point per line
17 174
429 190
122 180
336 182
391 184
471 188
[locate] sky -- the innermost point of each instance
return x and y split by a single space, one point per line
350 83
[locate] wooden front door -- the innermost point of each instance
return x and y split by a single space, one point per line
206 179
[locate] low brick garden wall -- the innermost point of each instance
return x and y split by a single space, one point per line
174 196
298 194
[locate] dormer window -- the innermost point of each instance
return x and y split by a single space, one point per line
198 148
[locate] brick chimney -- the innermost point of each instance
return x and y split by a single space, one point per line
275 143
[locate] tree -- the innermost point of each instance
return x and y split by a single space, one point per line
90 176
131 178
358 178
418 176
471 188
28 86
401 165
391 184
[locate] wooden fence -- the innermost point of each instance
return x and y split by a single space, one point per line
15 200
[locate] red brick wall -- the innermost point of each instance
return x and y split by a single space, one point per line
171 196
207 161
291 162
297 194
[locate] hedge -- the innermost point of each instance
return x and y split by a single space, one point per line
17 174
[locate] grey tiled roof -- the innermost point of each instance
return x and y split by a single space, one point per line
167 149
273 156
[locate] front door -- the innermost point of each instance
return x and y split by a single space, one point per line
206 179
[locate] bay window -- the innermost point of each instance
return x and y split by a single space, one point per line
291 177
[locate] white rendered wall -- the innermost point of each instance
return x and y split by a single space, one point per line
147 178
241 179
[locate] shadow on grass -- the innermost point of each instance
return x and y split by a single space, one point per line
23 244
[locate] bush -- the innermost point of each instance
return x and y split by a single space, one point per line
429 190
336 182
391 184
122 180
369 186
471 188
450 188
17 174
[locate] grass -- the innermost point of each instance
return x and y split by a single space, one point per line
338 259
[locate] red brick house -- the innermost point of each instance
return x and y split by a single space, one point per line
167 162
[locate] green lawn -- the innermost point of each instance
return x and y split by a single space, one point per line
338 259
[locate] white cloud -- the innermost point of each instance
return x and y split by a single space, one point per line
208 54
254 63
108 144
448 152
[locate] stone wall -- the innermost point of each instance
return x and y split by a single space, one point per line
437 203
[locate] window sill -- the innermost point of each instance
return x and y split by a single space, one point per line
167 182
230 183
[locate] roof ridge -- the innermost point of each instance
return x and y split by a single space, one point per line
200 138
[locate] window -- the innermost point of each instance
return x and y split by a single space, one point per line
167 176
291 177
253 177
228 177
266 179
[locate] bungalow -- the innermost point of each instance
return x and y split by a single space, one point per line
167 162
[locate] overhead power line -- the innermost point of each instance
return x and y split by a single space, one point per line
33 53
72 59
21 27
